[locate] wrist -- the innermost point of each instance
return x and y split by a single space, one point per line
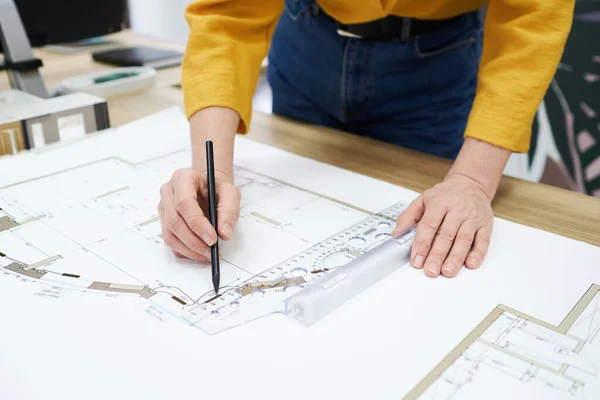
219 125
481 162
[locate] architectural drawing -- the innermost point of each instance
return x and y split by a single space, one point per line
78 234
83 268
517 356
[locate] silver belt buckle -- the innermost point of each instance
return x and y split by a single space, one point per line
344 33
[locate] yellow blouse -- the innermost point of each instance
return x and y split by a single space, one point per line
523 43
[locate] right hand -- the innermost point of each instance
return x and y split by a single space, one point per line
183 211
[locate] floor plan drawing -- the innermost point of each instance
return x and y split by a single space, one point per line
93 299
520 357
77 235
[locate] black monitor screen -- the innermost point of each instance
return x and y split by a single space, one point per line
59 21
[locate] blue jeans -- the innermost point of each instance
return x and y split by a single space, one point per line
415 94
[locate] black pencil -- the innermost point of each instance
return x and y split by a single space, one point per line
212 214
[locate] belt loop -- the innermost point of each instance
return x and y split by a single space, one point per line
406 25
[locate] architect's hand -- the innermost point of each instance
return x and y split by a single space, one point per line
183 211
455 226
183 207
455 217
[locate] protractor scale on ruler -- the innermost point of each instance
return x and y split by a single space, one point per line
267 292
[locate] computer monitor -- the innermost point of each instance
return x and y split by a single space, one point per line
58 21
38 22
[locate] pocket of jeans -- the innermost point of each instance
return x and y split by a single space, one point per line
295 9
443 42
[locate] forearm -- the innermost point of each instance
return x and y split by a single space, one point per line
228 41
483 163
219 125
522 46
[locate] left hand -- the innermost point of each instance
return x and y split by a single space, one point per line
455 222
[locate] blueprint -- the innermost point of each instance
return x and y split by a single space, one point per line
96 230
521 357
95 306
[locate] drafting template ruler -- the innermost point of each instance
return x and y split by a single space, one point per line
268 292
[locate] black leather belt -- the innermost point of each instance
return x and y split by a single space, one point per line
392 27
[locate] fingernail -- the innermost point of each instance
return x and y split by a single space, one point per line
450 268
472 262
431 267
418 262
227 230
207 254
207 239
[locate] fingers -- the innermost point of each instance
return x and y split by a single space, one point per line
460 249
185 192
177 232
180 249
480 248
426 231
410 216
442 243
186 230
228 209
177 246
454 226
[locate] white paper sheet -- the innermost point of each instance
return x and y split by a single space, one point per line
58 342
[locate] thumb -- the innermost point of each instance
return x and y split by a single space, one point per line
228 209
410 216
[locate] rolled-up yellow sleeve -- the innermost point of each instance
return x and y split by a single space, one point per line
523 44
228 41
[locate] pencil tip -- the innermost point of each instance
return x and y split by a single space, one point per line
216 278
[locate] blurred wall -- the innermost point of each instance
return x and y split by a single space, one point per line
572 108
159 18
565 144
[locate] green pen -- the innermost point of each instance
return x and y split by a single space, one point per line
115 76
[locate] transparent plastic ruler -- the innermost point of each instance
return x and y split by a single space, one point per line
267 292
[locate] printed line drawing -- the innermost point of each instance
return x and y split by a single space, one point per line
79 234
521 357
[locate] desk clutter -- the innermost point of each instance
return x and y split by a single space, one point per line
31 122
110 83
139 56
